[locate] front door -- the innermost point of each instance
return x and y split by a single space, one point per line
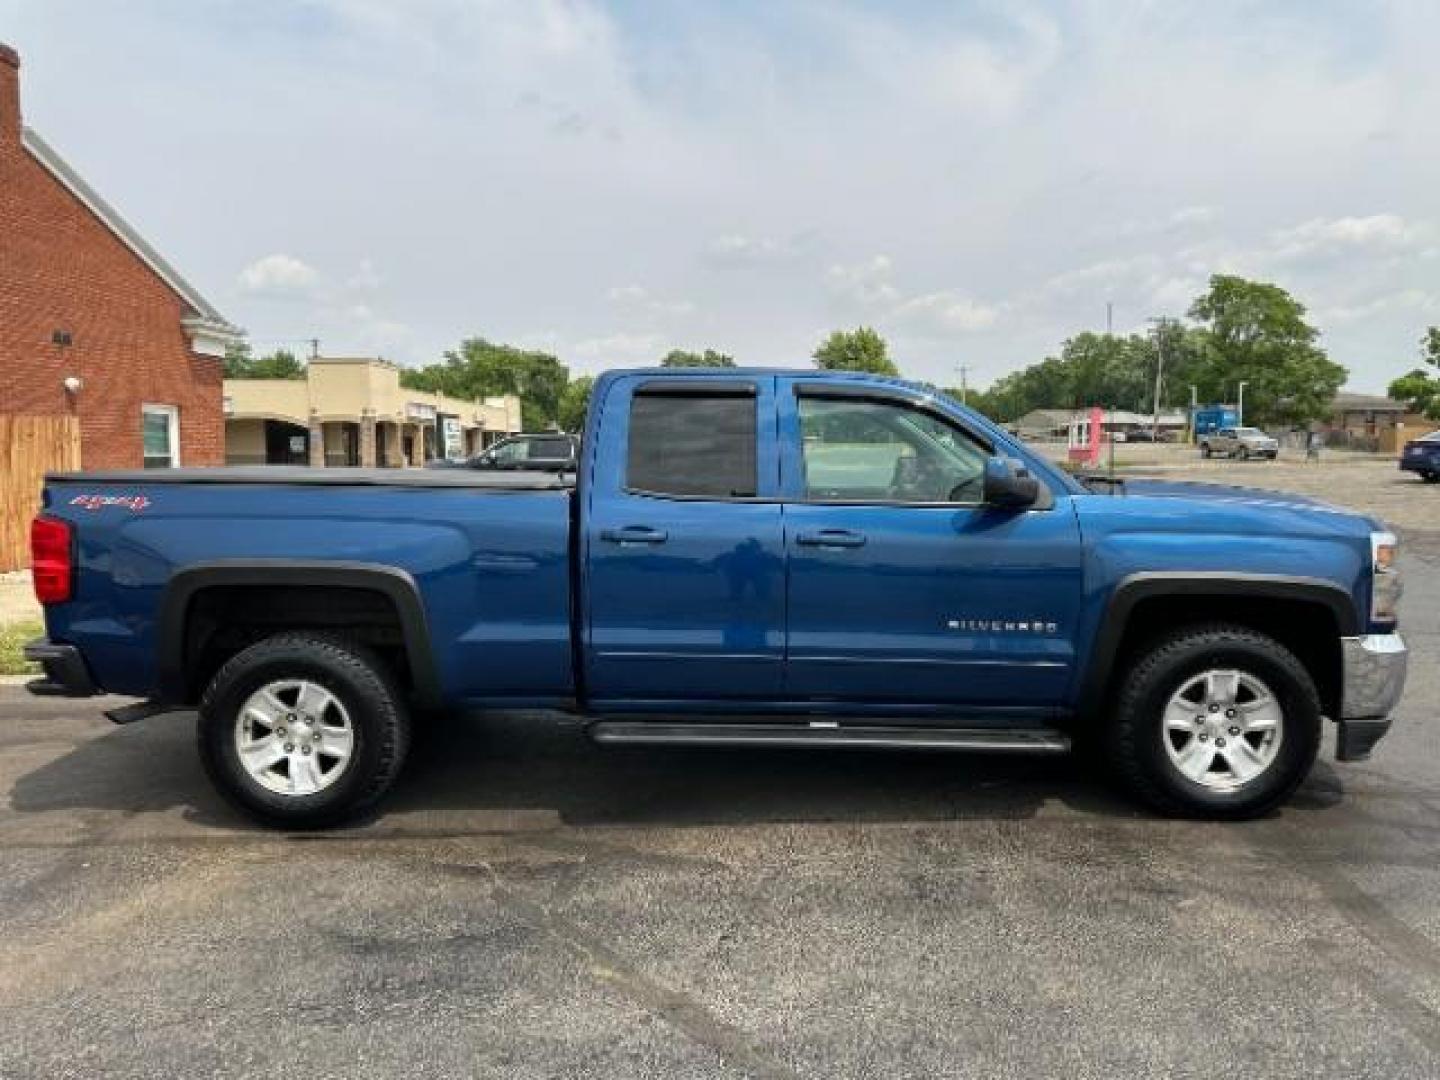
683 547
903 587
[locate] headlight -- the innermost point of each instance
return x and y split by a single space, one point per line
1385 578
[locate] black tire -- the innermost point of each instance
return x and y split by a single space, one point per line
1204 450
1430 477
1134 732
1244 454
359 681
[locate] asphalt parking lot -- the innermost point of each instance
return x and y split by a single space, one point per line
529 905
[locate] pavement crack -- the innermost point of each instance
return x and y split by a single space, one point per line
679 1010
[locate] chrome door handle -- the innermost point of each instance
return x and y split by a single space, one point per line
831 538
634 534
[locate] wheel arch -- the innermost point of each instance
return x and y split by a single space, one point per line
180 679
1280 605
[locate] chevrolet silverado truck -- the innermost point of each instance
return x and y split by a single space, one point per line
744 557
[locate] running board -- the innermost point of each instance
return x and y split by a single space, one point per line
831 734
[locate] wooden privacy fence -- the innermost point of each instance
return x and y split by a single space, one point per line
30 446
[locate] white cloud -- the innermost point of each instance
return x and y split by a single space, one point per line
366 277
279 275
1185 218
1417 301
638 299
1377 232
866 284
946 312
740 248
621 348
869 288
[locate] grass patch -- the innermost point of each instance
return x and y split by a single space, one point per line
13 637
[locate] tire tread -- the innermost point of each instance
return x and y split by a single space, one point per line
361 665
1127 724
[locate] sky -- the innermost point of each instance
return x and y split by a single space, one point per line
609 181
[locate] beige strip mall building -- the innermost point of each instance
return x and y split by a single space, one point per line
354 412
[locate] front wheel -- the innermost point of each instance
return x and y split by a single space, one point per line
1204 450
303 730
1431 477
1216 721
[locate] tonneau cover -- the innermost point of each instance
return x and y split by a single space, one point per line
328 477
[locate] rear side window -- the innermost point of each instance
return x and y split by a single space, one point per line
698 444
550 448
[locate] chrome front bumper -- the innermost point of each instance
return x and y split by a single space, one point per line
1374 668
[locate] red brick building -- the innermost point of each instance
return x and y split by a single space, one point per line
93 322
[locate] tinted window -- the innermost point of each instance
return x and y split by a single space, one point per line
887 452
550 448
518 450
692 444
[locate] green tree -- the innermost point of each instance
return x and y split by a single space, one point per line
1256 332
1419 389
240 363
481 368
861 349
708 358
575 403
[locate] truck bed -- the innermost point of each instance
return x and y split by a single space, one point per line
485 556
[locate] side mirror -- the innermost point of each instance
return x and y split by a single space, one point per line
1009 485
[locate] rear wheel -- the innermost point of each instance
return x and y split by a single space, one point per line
1431 477
1215 721
1244 453
1204 450
303 730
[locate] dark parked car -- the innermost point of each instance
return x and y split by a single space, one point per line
553 452
1422 456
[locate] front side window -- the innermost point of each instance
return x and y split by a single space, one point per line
880 451
694 445
160 436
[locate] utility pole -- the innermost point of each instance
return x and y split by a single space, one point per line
1109 319
1160 324
964 371
1240 405
314 348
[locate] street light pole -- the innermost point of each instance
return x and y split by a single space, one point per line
1240 406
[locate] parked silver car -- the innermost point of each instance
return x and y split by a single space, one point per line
1242 442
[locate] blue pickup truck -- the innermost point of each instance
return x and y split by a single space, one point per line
744 557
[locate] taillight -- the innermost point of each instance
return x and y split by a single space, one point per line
50 560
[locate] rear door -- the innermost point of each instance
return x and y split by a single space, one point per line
682 544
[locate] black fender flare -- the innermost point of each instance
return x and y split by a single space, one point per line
1148 585
395 584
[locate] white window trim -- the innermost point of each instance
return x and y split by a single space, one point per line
172 418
